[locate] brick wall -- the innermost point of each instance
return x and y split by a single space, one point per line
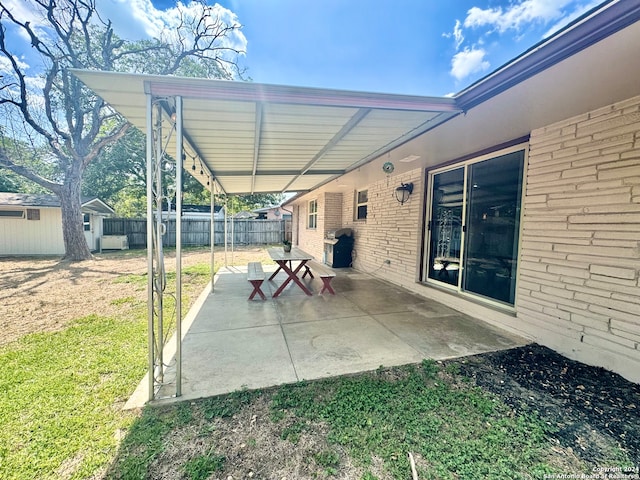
332 211
390 232
579 268
579 283
329 218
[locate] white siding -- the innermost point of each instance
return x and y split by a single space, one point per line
32 237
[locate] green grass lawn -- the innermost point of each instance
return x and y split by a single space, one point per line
63 392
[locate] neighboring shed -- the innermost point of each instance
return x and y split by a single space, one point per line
32 224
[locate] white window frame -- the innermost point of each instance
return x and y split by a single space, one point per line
17 214
362 204
312 214
86 222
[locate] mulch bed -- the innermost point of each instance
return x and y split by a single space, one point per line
590 407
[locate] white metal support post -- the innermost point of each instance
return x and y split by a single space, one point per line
179 172
157 163
226 216
159 277
150 252
155 260
213 236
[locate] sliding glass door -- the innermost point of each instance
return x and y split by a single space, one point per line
474 226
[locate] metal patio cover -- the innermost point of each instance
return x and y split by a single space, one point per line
257 138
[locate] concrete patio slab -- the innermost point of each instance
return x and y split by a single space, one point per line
225 361
227 313
448 336
230 342
303 308
345 345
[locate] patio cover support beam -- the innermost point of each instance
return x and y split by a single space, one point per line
213 234
155 256
344 131
256 145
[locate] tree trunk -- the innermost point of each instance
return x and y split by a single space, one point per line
75 243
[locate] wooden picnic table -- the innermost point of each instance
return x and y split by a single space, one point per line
285 262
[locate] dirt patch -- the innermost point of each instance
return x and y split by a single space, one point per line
590 407
45 294
252 446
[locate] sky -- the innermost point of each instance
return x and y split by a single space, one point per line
422 47
416 47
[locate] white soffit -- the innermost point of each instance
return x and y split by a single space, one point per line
270 138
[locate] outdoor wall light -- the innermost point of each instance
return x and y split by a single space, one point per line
403 192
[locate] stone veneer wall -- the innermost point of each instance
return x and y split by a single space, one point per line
579 278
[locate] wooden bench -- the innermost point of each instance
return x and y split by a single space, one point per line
255 275
325 274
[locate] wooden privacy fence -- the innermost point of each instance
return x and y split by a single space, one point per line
196 232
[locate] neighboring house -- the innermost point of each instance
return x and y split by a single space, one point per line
245 215
273 213
525 210
200 212
32 224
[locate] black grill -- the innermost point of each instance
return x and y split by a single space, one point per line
338 247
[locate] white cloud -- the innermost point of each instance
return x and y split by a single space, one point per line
516 16
468 61
7 67
457 34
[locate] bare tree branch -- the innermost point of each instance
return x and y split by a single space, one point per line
75 124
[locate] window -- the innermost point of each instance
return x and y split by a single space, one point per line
362 197
33 214
86 222
11 213
313 214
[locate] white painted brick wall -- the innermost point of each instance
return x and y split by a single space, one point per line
311 240
579 266
580 258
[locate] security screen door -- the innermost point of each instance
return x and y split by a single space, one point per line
446 226
474 227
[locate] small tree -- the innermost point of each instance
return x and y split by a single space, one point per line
73 123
